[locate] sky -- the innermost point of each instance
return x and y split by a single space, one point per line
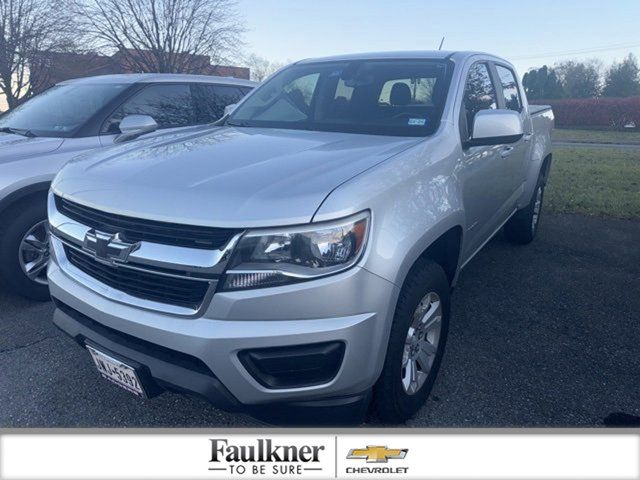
529 34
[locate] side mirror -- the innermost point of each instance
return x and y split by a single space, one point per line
229 108
495 127
132 126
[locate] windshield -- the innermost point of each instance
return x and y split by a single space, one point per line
61 110
382 97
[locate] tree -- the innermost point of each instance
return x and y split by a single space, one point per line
542 83
623 79
170 36
260 67
579 79
28 30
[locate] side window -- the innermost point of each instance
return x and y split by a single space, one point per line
170 105
343 91
509 88
479 94
301 90
285 99
211 100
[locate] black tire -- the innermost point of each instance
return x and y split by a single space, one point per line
523 226
391 403
17 222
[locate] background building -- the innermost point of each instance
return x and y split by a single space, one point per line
53 67
49 68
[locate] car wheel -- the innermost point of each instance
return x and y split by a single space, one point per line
24 251
416 345
523 226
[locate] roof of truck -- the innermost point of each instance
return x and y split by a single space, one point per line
419 54
160 78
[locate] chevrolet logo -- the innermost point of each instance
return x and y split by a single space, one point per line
377 454
108 248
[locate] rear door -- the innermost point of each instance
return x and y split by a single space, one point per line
210 100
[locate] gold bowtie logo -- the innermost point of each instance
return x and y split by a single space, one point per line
377 454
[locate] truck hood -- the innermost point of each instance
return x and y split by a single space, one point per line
226 176
13 146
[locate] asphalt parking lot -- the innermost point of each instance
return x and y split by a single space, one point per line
542 335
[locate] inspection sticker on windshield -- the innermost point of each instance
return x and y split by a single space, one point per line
417 121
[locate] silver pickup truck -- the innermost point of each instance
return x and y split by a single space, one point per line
300 254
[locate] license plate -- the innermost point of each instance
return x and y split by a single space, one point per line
117 372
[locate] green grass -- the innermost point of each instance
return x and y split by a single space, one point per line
595 182
596 136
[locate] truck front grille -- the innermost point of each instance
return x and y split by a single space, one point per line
135 229
146 285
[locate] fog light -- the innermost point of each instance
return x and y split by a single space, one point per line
296 366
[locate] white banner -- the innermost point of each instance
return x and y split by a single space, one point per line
350 455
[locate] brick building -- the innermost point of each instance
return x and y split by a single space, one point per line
56 67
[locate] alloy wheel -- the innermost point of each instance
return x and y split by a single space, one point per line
421 344
33 252
537 206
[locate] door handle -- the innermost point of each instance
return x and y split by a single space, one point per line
506 151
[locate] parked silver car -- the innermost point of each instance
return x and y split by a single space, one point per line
76 116
301 253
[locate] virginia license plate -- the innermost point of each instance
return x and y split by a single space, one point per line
117 372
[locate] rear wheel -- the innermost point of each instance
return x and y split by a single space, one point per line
24 250
416 344
523 226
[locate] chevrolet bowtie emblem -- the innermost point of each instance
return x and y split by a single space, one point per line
377 454
108 248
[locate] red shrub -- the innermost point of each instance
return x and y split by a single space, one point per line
595 112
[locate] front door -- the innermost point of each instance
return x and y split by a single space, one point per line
171 105
486 178
516 153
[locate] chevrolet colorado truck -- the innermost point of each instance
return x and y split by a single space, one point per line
300 253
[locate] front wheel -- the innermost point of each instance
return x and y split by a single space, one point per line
416 344
523 226
24 251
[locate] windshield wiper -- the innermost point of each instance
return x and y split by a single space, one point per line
237 124
18 131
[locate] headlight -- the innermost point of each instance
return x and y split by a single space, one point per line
265 258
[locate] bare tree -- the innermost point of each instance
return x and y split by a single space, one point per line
261 67
168 36
29 29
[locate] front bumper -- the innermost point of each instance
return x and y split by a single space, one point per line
354 307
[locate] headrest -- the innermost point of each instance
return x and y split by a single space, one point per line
400 94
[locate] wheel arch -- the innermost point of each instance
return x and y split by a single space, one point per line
445 250
545 168
23 194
